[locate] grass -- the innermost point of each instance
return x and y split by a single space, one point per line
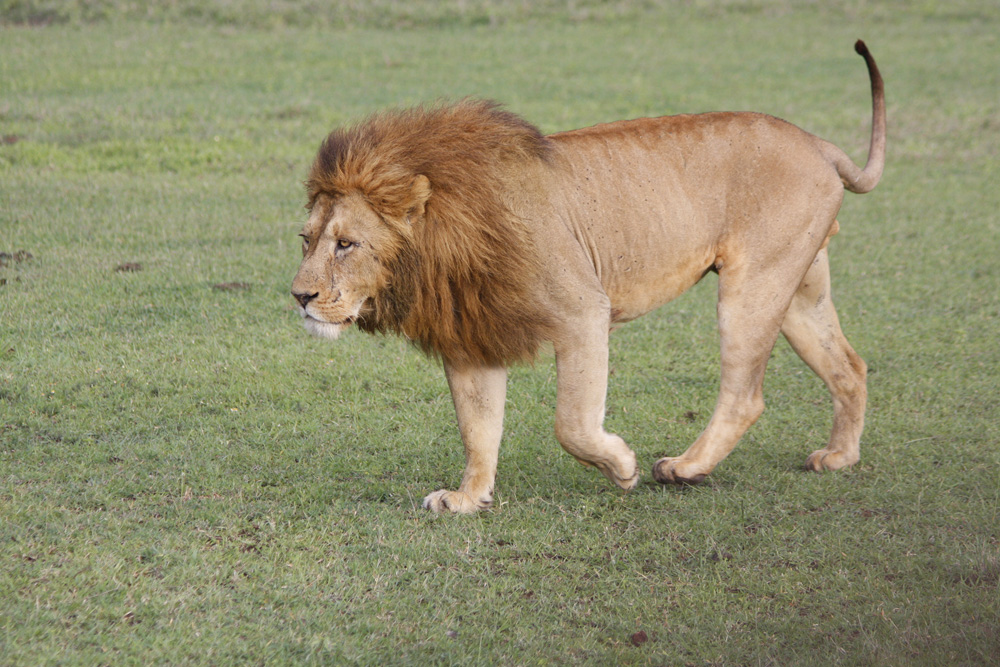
187 478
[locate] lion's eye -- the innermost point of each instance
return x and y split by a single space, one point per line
344 244
305 242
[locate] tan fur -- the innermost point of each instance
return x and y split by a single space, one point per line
467 231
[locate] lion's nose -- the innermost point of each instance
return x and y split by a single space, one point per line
304 297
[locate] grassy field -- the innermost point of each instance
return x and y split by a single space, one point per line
186 477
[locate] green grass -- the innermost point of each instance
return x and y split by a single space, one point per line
187 477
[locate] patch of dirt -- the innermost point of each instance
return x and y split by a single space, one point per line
982 575
639 638
11 258
129 267
231 287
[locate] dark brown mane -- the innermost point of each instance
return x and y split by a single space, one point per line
465 283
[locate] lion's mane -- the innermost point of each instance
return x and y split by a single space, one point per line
464 281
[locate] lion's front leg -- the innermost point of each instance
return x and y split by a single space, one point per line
581 393
479 394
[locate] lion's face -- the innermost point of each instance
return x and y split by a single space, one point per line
345 250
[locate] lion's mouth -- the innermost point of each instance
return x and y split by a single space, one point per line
342 323
325 329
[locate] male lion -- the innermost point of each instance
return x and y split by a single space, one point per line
466 230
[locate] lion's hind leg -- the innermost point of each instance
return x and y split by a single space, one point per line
747 336
751 308
813 330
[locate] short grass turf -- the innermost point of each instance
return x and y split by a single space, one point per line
187 478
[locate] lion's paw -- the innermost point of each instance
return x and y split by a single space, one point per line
625 478
455 502
629 483
675 470
624 471
824 459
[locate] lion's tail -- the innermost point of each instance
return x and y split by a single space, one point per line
865 180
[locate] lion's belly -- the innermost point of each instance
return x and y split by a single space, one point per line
643 281
645 256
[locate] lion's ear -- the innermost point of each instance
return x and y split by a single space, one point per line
420 192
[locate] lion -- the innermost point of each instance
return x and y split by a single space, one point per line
463 228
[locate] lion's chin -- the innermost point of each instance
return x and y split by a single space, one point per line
330 330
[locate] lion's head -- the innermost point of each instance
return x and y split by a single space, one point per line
410 231
348 255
